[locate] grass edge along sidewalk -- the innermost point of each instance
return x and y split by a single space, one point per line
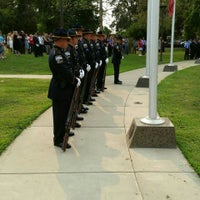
21 102
179 100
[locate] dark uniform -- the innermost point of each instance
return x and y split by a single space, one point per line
116 59
36 46
104 58
90 59
61 88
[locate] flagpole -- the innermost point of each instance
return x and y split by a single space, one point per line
152 131
172 34
143 81
171 66
153 117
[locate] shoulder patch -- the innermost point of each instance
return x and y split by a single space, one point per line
59 59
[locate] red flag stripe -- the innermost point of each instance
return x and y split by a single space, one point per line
171 7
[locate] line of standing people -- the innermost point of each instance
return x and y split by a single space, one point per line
78 64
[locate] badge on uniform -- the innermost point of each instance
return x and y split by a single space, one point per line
59 59
67 53
85 45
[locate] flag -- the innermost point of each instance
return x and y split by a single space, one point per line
171 7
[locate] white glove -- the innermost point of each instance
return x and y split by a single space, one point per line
81 73
88 68
107 60
78 82
100 62
122 57
96 66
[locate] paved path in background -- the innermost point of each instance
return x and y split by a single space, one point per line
99 166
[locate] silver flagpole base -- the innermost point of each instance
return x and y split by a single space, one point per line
150 121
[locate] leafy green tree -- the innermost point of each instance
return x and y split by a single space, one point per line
192 20
25 16
82 12
45 15
125 13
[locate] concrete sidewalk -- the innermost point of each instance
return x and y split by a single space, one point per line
99 166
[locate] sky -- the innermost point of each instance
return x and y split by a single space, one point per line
107 18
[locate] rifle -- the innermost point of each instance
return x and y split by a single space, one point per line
104 79
93 83
69 118
82 93
75 110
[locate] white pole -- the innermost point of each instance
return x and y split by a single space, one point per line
153 117
148 38
172 34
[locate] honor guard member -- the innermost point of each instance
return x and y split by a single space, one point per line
116 58
90 60
104 59
98 62
74 57
61 86
82 62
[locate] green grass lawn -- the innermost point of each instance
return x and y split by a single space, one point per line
24 64
179 100
28 64
23 100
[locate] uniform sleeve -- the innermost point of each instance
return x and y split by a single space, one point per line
62 71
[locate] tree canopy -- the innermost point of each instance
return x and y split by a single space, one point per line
130 16
45 15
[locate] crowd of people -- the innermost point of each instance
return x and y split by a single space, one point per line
192 49
19 42
22 43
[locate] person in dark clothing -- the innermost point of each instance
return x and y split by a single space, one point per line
61 86
36 45
116 59
104 58
88 49
193 49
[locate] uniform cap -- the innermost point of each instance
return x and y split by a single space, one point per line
77 27
60 33
72 33
87 31
119 37
100 33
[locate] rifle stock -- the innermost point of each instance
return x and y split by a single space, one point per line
69 119
103 79
93 83
82 93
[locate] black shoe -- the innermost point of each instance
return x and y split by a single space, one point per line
86 108
71 134
68 146
97 91
105 88
92 99
95 95
78 118
89 103
77 125
83 111
118 82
